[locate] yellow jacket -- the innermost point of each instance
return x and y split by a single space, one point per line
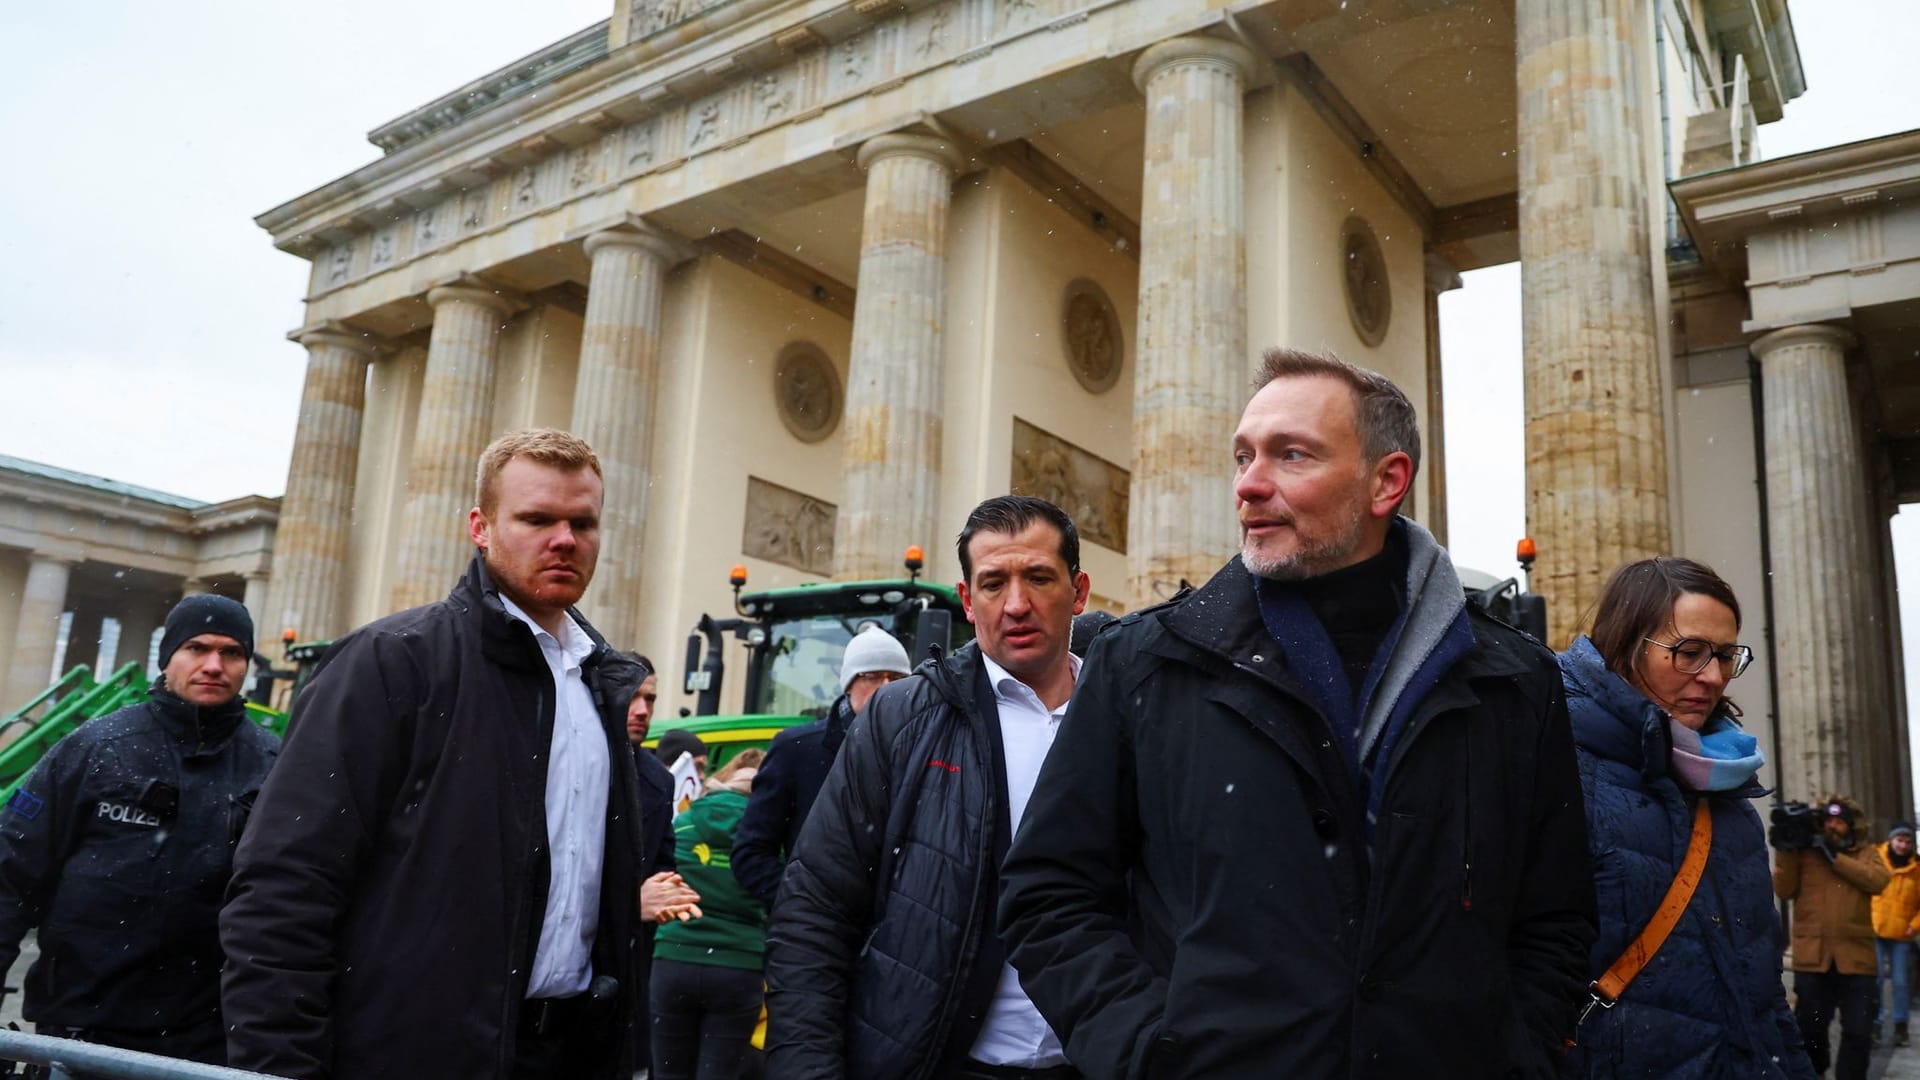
1896 909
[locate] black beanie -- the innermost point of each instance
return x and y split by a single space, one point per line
680 741
206 613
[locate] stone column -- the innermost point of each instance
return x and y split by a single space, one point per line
613 410
194 586
1191 380
258 593
1596 434
310 542
37 634
84 629
138 621
1441 277
1824 589
456 420
890 457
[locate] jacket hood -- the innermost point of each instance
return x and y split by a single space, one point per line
1618 722
951 675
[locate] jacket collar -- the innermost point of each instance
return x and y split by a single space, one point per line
503 638
193 726
1223 617
952 675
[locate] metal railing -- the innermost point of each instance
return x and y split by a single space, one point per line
67 1059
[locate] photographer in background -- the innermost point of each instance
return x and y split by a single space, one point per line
1830 876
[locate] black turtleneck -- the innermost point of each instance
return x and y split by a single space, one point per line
1898 859
1358 604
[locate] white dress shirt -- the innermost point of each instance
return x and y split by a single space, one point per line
577 778
1013 1032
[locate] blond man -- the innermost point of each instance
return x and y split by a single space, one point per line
441 881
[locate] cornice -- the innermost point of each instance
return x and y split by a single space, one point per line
1887 165
523 76
657 105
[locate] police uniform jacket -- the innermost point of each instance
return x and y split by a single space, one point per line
118 847
387 903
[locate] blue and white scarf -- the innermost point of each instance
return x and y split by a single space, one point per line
1719 757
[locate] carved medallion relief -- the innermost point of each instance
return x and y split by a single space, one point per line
806 389
1090 330
788 527
1092 490
1369 298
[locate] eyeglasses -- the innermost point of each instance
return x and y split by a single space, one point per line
881 677
1690 656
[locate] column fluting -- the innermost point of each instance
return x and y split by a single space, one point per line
316 515
891 452
1191 380
1595 396
456 420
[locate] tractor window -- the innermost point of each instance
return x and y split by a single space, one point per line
803 662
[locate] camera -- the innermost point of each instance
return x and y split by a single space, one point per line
1795 826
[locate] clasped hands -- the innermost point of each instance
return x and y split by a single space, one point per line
666 896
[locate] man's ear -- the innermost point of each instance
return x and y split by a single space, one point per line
966 598
477 528
1392 478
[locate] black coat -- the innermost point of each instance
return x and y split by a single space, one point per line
1191 895
884 919
789 780
387 901
118 847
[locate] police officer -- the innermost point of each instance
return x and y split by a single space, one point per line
119 844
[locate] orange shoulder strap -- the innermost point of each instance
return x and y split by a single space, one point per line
1608 988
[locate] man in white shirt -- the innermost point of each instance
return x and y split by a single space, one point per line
882 961
443 881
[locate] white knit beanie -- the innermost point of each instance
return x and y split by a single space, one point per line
872 649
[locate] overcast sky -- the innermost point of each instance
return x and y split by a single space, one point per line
143 315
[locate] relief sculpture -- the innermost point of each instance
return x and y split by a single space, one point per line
789 528
1092 490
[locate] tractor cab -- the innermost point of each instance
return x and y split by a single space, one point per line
793 641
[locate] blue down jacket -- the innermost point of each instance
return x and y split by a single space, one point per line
1710 1004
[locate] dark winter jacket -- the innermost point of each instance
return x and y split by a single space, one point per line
783 792
1191 893
387 902
880 956
118 847
1710 1005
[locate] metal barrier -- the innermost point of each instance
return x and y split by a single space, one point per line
68 1058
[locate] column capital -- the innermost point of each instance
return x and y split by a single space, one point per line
337 335
896 144
1195 50
473 290
1838 337
671 250
1441 274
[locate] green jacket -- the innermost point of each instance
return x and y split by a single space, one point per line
733 929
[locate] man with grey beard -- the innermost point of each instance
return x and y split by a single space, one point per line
1320 817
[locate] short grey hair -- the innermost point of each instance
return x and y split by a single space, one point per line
1387 420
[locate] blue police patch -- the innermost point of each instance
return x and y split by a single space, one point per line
26 804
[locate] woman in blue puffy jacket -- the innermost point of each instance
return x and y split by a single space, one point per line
1655 734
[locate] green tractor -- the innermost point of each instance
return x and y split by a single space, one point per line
794 639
